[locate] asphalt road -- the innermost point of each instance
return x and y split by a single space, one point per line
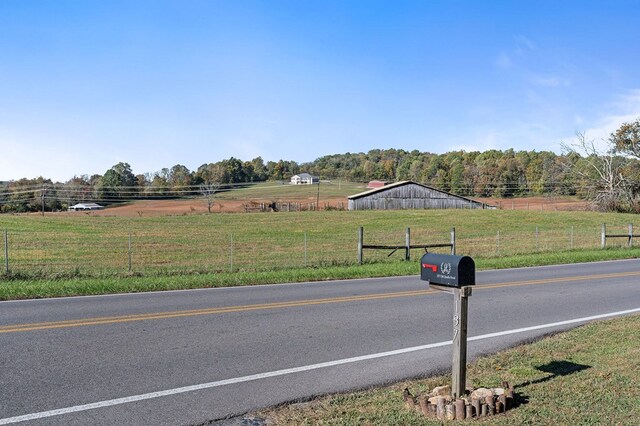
188 357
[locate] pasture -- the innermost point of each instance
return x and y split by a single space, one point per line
69 246
173 244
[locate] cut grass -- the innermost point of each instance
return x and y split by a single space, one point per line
23 287
587 376
61 255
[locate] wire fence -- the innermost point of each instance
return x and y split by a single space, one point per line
198 249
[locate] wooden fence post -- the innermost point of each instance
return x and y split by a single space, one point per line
6 251
571 243
407 240
453 240
360 244
231 254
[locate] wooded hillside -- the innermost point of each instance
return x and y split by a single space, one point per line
475 174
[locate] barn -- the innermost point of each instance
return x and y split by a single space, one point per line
410 195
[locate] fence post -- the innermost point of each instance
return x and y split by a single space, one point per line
571 244
360 243
231 255
407 240
6 251
630 234
603 239
129 251
453 240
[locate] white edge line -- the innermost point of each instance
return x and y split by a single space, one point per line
254 377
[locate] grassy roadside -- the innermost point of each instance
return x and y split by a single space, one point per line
586 376
15 287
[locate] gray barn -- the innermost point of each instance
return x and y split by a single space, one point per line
410 195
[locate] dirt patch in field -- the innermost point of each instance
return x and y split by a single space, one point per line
538 203
148 208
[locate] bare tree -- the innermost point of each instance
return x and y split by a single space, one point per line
603 172
208 191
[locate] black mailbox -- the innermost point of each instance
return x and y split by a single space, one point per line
448 270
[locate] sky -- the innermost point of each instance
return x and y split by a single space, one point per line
85 85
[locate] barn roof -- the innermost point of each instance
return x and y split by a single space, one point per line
407 182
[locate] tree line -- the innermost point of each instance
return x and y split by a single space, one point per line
610 176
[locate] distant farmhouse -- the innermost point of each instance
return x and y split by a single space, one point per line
85 207
410 195
304 179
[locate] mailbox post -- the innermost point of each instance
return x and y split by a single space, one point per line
455 275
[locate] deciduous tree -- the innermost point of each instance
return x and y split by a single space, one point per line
627 138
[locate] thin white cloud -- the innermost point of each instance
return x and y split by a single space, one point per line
504 61
524 44
550 81
624 109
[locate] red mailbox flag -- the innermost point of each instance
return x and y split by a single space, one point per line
434 268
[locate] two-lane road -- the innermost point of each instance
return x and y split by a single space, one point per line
191 356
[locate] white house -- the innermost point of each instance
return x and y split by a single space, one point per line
85 206
304 178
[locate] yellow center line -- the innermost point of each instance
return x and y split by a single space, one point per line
208 311
560 280
279 305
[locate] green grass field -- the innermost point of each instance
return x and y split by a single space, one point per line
285 191
235 249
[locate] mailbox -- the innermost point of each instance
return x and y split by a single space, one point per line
448 270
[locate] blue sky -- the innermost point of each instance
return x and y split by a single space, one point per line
87 84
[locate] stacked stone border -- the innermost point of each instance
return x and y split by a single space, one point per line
481 402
